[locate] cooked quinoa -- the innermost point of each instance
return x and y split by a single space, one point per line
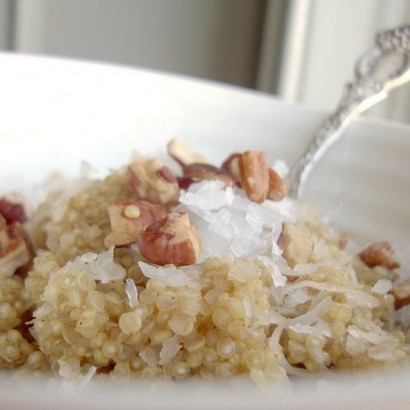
249 307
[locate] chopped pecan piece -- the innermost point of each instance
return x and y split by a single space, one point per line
128 219
16 255
379 254
296 243
277 187
12 212
231 165
254 170
172 240
16 250
153 181
401 293
183 154
199 172
184 183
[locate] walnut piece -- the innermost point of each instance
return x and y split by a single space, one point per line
379 254
153 181
129 217
296 243
172 240
254 170
183 154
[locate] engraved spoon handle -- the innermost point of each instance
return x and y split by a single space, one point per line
382 68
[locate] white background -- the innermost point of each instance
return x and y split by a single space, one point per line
301 50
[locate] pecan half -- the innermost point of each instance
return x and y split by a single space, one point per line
231 165
153 181
129 217
254 170
379 254
172 240
183 154
199 172
277 187
296 242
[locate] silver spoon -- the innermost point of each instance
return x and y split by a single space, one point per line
384 67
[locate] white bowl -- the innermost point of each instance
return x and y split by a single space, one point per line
55 113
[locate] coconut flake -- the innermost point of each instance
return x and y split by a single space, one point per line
372 337
298 297
355 297
170 349
320 328
43 310
132 293
86 379
207 195
101 266
171 275
314 314
303 269
382 286
274 343
229 223
278 278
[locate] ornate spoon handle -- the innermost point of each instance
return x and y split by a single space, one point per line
382 68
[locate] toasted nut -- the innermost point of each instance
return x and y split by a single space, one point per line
379 254
172 240
296 243
231 165
401 293
4 239
277 186
152 181
16 230
254 172
201 172
3 222
15 256
129 217
12 212
184 154
184 183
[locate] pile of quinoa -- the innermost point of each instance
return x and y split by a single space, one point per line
246 307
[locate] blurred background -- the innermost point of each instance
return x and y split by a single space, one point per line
303 51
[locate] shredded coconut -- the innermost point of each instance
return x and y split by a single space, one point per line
171 275
382 286
170 349
101 266
132 293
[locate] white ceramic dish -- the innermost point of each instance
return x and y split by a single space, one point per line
55 113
